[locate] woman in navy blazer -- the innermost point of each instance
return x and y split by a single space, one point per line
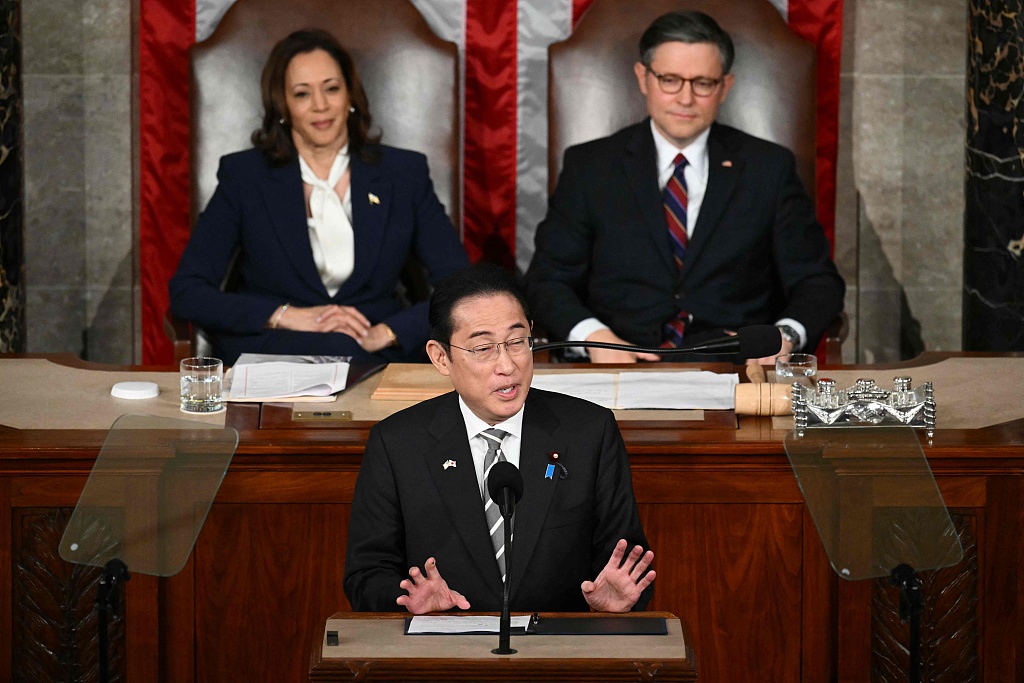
315 107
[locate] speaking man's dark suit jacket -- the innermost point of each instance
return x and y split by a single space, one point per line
757 253
408 507
259 211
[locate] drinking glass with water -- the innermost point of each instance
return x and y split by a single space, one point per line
201 380
796 367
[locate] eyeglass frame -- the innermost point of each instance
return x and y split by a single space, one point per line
717 82
483 348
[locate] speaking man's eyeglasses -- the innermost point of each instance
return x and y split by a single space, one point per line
516 348
670 84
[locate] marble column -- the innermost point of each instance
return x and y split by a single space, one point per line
12 264
993 302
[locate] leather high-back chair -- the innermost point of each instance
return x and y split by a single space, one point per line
409 74
593 91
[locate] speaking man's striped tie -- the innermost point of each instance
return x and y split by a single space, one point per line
494 437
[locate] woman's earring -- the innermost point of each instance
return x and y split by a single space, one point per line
281 121
351 110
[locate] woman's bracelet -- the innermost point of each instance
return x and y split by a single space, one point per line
391 333
276 320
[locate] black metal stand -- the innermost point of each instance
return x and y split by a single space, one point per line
504 628
108 601
911 608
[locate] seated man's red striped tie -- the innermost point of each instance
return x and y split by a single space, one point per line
675 200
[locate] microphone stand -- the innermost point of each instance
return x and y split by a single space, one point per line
753 341
504 624
609 345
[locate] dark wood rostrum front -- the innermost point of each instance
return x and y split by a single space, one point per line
738 559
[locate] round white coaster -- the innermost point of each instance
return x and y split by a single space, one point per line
134 390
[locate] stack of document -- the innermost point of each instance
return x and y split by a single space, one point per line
681 390
267 377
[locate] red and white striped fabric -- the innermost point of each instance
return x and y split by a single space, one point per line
503 62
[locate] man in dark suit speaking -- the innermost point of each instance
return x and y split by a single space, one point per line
420 499
679 227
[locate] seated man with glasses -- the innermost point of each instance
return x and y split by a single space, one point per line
679 228
423 535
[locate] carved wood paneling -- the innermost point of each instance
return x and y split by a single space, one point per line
949 625
55 629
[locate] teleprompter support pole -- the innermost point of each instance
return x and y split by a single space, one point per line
108 602
911 608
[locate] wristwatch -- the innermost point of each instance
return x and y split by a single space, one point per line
790 335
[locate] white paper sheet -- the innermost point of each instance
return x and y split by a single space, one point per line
677 390
283 380
595 387
463 624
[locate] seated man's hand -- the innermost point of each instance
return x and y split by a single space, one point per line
787 347
429 593
610 356
619 585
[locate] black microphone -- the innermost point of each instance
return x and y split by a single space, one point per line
754 341
505 486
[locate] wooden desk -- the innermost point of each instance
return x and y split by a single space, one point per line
372 647
738 559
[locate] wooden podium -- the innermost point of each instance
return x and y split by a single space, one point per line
373 647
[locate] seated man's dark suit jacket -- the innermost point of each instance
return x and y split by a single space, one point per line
757 253
259 212
408 507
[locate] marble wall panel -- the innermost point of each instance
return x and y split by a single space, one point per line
934 196
109 321
56 315
901 159
877 326
12 206
877 42
55 235
938 312
79 176
994 231
935 37
106 37
52 37
845 246
878 106
851 344
107 174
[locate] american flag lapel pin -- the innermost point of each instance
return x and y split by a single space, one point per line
727 164
448 463
374 199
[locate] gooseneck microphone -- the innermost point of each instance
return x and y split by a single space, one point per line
505 486
755 341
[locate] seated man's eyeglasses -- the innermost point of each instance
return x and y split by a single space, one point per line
670 84
518 347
